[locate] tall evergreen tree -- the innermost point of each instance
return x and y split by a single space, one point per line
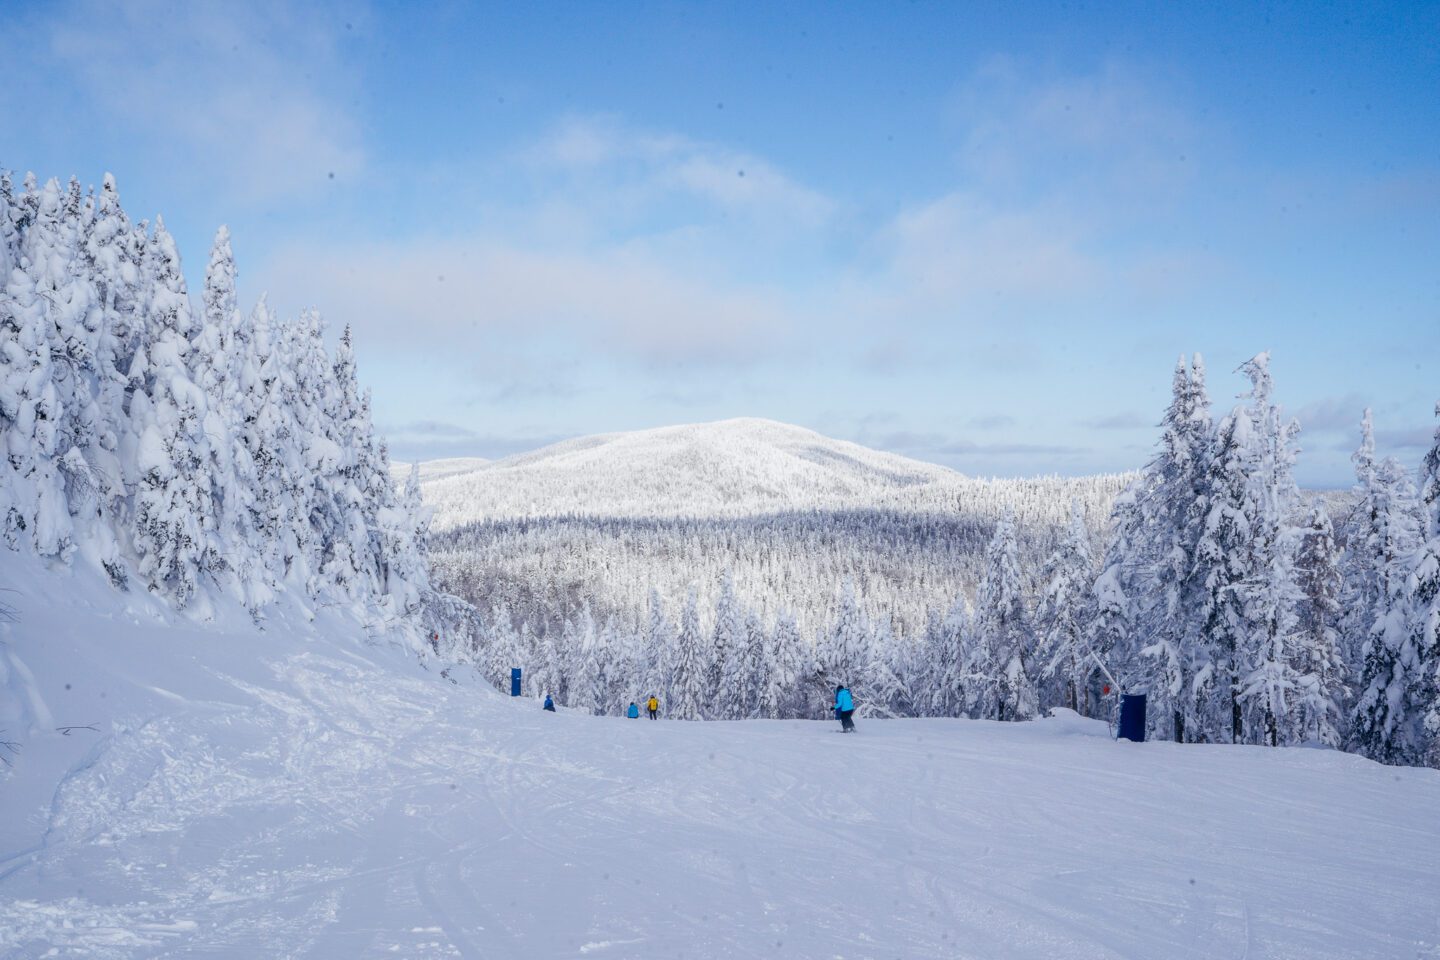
1062 658
1424 590
1000 673
173 504
1320 664
844 650
691 691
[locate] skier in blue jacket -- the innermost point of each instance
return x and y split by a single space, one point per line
844 708
549 704
633 713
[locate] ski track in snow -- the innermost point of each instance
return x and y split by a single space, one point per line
324 799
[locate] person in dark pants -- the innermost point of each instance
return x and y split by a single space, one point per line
549 704
844 708
652 706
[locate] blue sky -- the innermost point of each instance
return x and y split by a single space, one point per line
973 234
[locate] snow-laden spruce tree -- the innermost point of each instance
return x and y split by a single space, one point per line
275 444
9 233
753 667
780 695
1272 683
1062 658
1381 560
1246 656
731 651
690 691
1380 533
1424 590
227 367
589 682
36 506
173 518
1225 558
549 675
844 650
947 644
1001 682
353 554
112 253
885 678
660 649
1162 569
1319 665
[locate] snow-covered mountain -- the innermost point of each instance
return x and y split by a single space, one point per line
791 514
729 468
186 791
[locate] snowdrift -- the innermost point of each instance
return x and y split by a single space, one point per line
308 792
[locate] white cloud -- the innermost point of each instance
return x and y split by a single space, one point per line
461 295
250 96
651 168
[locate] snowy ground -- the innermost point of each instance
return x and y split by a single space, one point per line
274 795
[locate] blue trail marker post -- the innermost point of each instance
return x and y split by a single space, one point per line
1132 718
514 681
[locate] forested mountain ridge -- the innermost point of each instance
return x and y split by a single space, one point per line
736 467
786 512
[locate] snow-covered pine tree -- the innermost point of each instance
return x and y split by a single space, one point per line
690 691
352 549
1062 659
9 235
1319 664
1225 558
1380 532
110 257
1271 653
210 365
37 508
1001 680
1424 590
659 651
1385 720
948 660
843 652
172 512
754 667
588 686
886 692
1162 572
784 653
731 650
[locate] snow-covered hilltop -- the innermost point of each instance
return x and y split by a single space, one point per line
731 468
789 513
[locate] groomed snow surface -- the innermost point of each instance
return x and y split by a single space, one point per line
302 793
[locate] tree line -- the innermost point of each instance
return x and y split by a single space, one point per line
187 449
1221 591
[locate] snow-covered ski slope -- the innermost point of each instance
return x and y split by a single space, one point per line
302 793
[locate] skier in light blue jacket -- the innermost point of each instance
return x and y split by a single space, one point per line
844 708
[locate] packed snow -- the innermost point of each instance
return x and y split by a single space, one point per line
309 792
